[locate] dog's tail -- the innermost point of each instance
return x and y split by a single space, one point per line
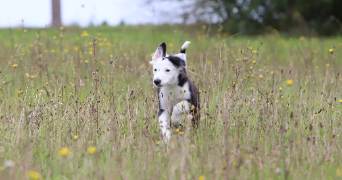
185 45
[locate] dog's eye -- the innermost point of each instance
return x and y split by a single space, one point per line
155 69
168 70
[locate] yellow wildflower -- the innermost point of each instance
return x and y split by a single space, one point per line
280 89
201 178
339 172
92 150
34 175
75 137
328 65
177 130
15 65
289 82
261 76
84 34
331 50
64 152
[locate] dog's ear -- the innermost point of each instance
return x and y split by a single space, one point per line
160 52
181 58
178 60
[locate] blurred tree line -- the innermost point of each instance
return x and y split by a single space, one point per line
257 16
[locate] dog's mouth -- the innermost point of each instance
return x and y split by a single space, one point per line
158 86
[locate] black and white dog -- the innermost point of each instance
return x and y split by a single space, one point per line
177 94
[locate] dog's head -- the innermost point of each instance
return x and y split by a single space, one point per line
166 68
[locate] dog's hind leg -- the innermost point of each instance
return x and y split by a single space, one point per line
179 109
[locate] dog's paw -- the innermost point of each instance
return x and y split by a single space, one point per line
166 136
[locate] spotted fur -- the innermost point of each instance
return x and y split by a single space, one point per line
177 94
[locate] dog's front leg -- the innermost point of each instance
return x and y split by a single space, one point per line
179 109
164 122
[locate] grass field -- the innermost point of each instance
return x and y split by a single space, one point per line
271 105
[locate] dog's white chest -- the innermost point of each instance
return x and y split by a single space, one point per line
170 96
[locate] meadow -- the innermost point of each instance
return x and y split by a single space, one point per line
271 105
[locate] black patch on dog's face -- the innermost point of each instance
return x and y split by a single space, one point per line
177 61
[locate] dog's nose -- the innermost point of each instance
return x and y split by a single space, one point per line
157 81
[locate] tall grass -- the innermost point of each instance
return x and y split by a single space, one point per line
271 106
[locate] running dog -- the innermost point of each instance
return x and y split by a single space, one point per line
177 94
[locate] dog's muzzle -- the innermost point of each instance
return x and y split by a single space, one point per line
157 82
